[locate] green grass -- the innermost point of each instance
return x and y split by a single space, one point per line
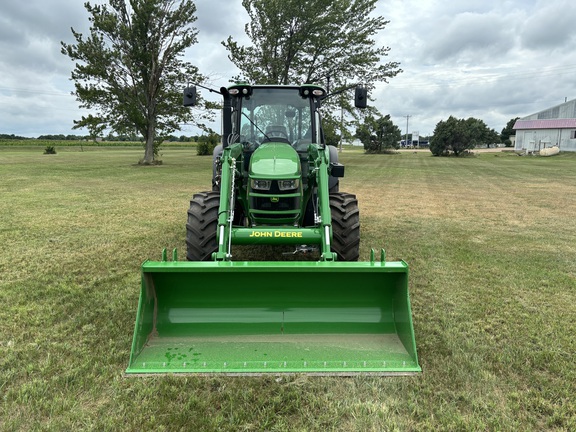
491 245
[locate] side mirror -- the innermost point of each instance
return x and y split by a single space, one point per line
361 97
189 96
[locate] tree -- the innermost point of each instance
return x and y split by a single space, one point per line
508 131
129 69
312 42
378 134
458 135
480 133
330 130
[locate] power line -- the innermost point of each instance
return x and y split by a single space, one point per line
481 78
34 91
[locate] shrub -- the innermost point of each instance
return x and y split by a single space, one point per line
50 150
206 144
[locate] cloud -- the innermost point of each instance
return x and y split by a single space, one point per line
550 27
218 19
34 89
470 37
480 58
491 59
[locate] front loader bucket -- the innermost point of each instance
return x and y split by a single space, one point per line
271 317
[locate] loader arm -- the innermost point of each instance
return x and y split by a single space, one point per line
226 210
322 162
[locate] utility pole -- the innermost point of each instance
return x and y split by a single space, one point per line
406 139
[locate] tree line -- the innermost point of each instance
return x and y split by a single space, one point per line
450 137
109 137
378 134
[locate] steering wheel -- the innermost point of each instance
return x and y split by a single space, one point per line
276 134
276 139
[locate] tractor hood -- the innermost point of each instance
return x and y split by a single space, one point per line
275 161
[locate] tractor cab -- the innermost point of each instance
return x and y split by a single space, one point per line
279 114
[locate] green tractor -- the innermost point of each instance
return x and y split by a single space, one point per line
274 182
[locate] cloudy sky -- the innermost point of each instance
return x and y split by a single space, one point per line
489 59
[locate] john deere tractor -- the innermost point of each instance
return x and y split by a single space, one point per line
274 182
277 181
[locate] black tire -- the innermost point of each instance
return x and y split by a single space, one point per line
202 225
345 226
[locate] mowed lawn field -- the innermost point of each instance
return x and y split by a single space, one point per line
491 244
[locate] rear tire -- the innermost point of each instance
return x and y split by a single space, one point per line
202 225
345 226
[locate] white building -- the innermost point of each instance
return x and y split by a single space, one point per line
555 126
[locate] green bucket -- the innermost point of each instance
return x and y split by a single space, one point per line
333 318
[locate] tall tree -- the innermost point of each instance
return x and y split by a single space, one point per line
378 134
312 42
129 69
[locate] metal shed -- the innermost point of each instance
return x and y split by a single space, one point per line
554 126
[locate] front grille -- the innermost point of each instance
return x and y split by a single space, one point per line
266 204
274 204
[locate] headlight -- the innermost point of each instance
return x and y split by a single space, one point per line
261 184
285 185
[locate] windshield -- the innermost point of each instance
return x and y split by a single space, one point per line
276 114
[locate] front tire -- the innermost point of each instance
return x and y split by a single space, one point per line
345 226
202 226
